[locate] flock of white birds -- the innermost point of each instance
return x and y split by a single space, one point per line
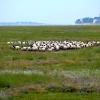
51 45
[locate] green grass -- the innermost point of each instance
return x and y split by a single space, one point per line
58 96
49 71
50 33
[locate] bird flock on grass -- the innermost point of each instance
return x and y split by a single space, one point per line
51 45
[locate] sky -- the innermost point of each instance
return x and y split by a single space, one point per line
62 12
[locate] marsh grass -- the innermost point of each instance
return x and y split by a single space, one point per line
58 96
41 75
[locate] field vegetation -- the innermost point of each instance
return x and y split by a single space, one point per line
63 75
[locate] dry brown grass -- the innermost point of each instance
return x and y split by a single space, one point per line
19 64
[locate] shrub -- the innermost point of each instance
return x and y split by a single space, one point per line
87 90
4 84
68 89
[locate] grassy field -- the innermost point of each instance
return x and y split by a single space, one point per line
64 75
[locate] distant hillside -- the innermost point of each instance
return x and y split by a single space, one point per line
20 23
88 20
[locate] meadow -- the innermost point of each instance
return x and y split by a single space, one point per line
64 75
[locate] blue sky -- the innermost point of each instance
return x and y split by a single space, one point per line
48 11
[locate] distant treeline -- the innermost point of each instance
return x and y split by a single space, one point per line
88 20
